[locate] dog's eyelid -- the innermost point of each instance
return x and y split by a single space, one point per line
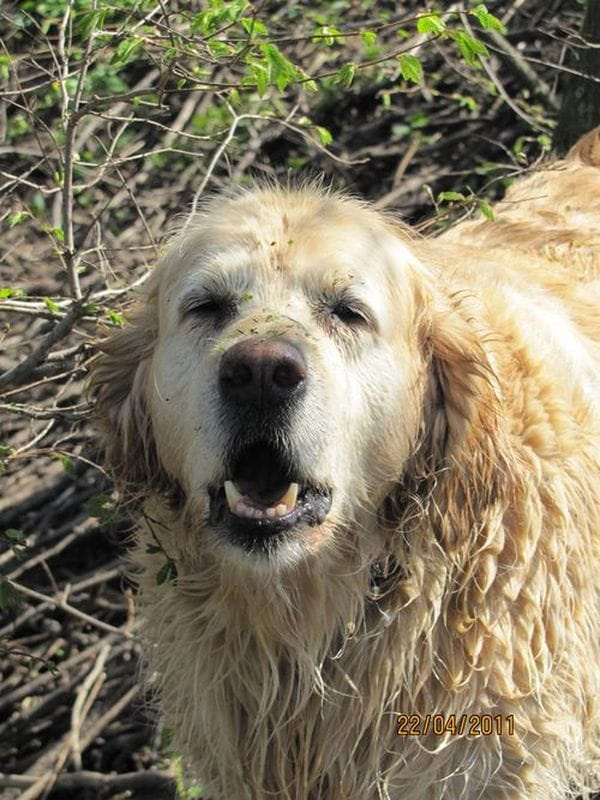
352 309
207 302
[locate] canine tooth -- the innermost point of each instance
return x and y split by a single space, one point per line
232 495
290 498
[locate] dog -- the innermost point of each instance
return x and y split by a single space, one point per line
369 468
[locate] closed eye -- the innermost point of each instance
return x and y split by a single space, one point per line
214 309
345 311
349 315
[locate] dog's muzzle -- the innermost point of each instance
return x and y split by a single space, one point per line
260 382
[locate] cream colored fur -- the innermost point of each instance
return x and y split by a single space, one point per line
461 437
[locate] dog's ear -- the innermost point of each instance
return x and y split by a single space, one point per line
459 471
118 383
464 425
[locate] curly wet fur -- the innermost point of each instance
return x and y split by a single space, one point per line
285 680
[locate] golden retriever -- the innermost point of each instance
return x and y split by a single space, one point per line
370 466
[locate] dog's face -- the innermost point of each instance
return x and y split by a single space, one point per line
285 365
281 383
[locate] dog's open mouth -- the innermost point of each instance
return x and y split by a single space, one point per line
264 495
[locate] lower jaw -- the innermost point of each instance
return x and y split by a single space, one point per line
264 536
257 546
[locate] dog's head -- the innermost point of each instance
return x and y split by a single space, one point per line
283 371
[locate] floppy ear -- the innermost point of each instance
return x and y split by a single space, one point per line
460 468
448 516
118 381
465 419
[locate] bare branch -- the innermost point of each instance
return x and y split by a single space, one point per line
21 372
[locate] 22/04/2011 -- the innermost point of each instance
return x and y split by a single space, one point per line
456 725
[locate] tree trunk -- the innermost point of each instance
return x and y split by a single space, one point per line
580 111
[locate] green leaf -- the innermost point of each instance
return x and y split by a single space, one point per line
67 463
261 77
487 20
345 75
280 69
326 34
220 13
324 135
115 318
9 597
369 38
15 535
16 218
486 210
92 21
126 50
469 47
5 65
418 120
445 197
168 572
410 67
519 148
166 738
102 507
431 23
254 26
545 142
219 49
51 305
465 101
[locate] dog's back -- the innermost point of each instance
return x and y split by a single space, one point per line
554 213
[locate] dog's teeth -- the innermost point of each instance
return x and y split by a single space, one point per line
232 495
242 506
290 498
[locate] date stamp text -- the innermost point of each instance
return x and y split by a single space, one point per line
455 724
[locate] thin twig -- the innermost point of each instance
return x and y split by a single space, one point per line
500 86
60 602
80 706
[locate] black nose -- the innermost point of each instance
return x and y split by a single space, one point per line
268 372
